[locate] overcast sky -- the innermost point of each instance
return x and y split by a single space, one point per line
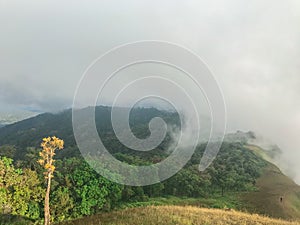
253 48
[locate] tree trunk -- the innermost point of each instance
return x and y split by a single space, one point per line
47 197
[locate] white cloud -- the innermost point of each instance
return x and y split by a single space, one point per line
252 46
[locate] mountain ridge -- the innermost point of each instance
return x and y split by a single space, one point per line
29 132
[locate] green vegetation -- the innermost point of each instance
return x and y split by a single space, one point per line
78 191
21 191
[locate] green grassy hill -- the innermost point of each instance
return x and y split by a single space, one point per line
277 194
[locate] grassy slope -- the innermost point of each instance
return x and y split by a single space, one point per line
273 185
168 215
230 200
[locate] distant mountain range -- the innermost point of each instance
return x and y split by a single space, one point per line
7 118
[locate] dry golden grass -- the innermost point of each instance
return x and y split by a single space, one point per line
172 215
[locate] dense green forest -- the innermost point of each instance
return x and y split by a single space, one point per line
77 190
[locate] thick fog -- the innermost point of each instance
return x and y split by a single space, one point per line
252 47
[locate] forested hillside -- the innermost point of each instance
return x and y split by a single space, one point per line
77 190
29 132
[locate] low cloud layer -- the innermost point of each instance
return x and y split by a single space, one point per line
253 48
